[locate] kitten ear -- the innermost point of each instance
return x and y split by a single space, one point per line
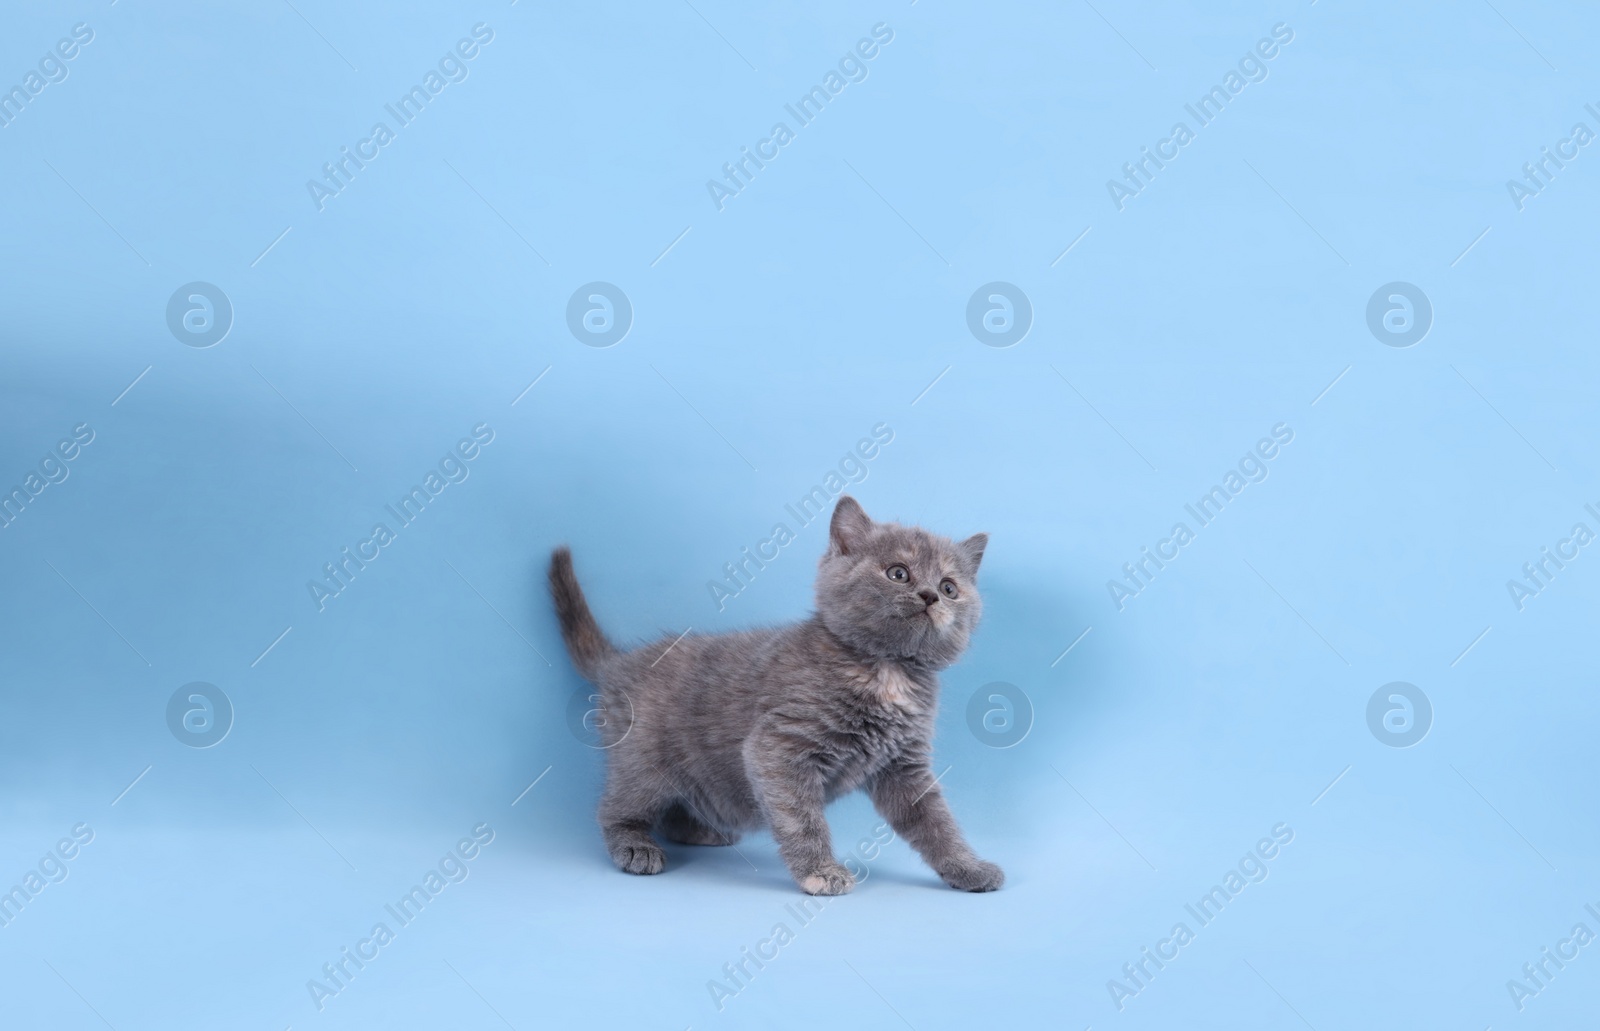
850 526
973 548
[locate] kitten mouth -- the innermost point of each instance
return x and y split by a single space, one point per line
925 618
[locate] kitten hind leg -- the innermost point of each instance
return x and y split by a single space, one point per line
679 824
625 820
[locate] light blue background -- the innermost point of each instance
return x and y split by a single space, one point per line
824 299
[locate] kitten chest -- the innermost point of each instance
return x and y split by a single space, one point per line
888 684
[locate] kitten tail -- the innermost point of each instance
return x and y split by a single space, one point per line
586 643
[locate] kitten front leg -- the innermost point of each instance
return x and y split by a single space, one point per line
793 803
908 797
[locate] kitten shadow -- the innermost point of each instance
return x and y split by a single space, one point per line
757 870
770 873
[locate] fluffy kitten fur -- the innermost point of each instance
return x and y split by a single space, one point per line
731 731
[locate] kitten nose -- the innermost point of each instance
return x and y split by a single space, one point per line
928 597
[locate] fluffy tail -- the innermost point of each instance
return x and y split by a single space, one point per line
586 643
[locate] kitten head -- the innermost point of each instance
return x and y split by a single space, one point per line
897 591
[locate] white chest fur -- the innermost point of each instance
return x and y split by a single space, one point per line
889 684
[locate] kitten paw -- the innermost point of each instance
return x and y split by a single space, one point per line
833 880
639 859
977 876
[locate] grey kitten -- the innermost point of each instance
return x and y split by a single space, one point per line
714 735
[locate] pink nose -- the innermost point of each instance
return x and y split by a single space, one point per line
928 597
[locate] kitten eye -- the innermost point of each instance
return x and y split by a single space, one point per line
898 573
949 588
